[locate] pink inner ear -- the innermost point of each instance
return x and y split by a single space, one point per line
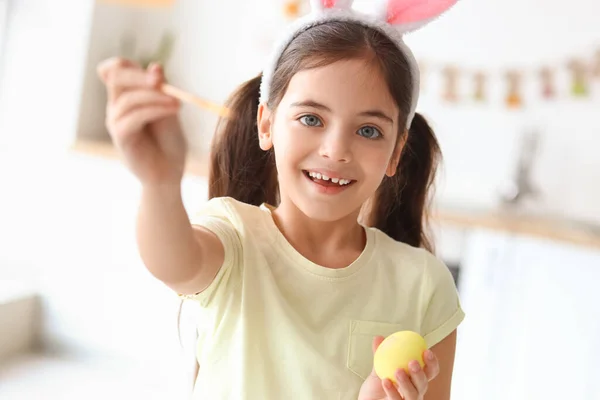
409 11
328 3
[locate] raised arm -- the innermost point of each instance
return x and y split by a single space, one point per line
143 123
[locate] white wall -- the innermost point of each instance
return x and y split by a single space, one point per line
479 141
42 73
3 29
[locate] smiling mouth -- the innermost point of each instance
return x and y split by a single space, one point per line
327 181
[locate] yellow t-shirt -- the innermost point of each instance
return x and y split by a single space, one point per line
275 325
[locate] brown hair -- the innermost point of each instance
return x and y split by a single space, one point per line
240 169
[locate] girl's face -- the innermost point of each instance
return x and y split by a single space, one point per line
334 134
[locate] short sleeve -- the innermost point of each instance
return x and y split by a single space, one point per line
217 216
442 312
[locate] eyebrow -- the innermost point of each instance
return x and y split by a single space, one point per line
369 113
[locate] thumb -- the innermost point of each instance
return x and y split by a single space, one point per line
157 70
376 342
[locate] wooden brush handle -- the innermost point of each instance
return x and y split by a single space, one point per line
190 98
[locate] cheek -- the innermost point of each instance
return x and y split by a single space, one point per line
377 159
278 137
290 141
286 154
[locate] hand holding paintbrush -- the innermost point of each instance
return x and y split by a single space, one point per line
142 120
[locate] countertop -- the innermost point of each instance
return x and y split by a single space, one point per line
572 232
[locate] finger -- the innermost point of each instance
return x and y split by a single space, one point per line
138 119
103 69
376 342
130 79
390 390
405 386
374 345
132 100
432 365
418 377
120 77
157 69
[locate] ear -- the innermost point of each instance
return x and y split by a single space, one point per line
395 160
263 123
416 13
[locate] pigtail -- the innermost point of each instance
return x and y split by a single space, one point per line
239 168
401 202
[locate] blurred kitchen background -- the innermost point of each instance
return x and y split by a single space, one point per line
512 88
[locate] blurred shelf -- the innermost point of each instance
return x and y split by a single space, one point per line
543 227
523 224
197 166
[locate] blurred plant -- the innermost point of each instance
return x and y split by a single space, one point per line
162 54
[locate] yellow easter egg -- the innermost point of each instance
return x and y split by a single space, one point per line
396 351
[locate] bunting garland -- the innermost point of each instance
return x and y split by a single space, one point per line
583 76
479 91
450 91
596 67
547 81
582 73
579 75
292 9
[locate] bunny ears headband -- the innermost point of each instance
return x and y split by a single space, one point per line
392 18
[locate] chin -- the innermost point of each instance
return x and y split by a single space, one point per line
329 211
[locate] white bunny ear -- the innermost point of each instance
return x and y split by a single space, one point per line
413 14
320 5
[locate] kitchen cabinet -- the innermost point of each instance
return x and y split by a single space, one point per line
532 329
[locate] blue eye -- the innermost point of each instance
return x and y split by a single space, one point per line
310 120
369 132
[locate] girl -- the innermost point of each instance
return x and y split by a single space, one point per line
312 247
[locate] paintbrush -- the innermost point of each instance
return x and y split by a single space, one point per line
195 100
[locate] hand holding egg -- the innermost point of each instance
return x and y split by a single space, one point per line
402 368
396 352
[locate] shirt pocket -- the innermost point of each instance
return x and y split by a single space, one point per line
360 344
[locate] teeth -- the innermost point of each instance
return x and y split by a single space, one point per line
339 181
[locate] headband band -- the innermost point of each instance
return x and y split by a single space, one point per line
392 18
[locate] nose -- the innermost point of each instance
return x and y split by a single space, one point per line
336 146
